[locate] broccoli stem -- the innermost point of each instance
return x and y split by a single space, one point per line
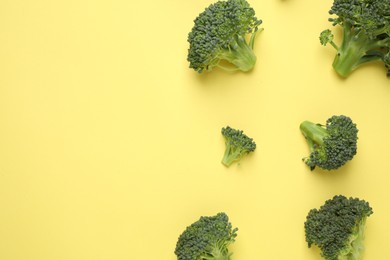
314 133
230 155
334 45
217 253
352 52
253 36
356 243
240 54
220 257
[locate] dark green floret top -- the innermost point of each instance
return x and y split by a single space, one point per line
337 228
366 33
219 34
331 145
237 145
208 238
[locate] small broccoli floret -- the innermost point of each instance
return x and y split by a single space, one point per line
207 239
237 145
337 228
366 33
326 37
219 33
332 145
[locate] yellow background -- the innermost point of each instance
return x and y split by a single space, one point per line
110 145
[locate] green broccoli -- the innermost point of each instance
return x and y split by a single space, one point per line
365 33
332 145
219 33
386 60
237 145
337 228
207 239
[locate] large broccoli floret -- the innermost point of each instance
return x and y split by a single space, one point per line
219 34
366 33
332 145
337 228
207 239
237 145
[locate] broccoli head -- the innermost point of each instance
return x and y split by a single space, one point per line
237 145
365 33
208 238
332 145
219 33
337 228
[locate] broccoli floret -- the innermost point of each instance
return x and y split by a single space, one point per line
326 37
337 228
237 145
208 238
365 33
219 33
331 145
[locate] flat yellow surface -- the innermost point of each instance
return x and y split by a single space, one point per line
110 145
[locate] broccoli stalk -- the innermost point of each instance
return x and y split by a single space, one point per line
207 239
331 145
314 134
355 50
365 33
232 153
337 228
237 145
218 254
356 245
239 53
